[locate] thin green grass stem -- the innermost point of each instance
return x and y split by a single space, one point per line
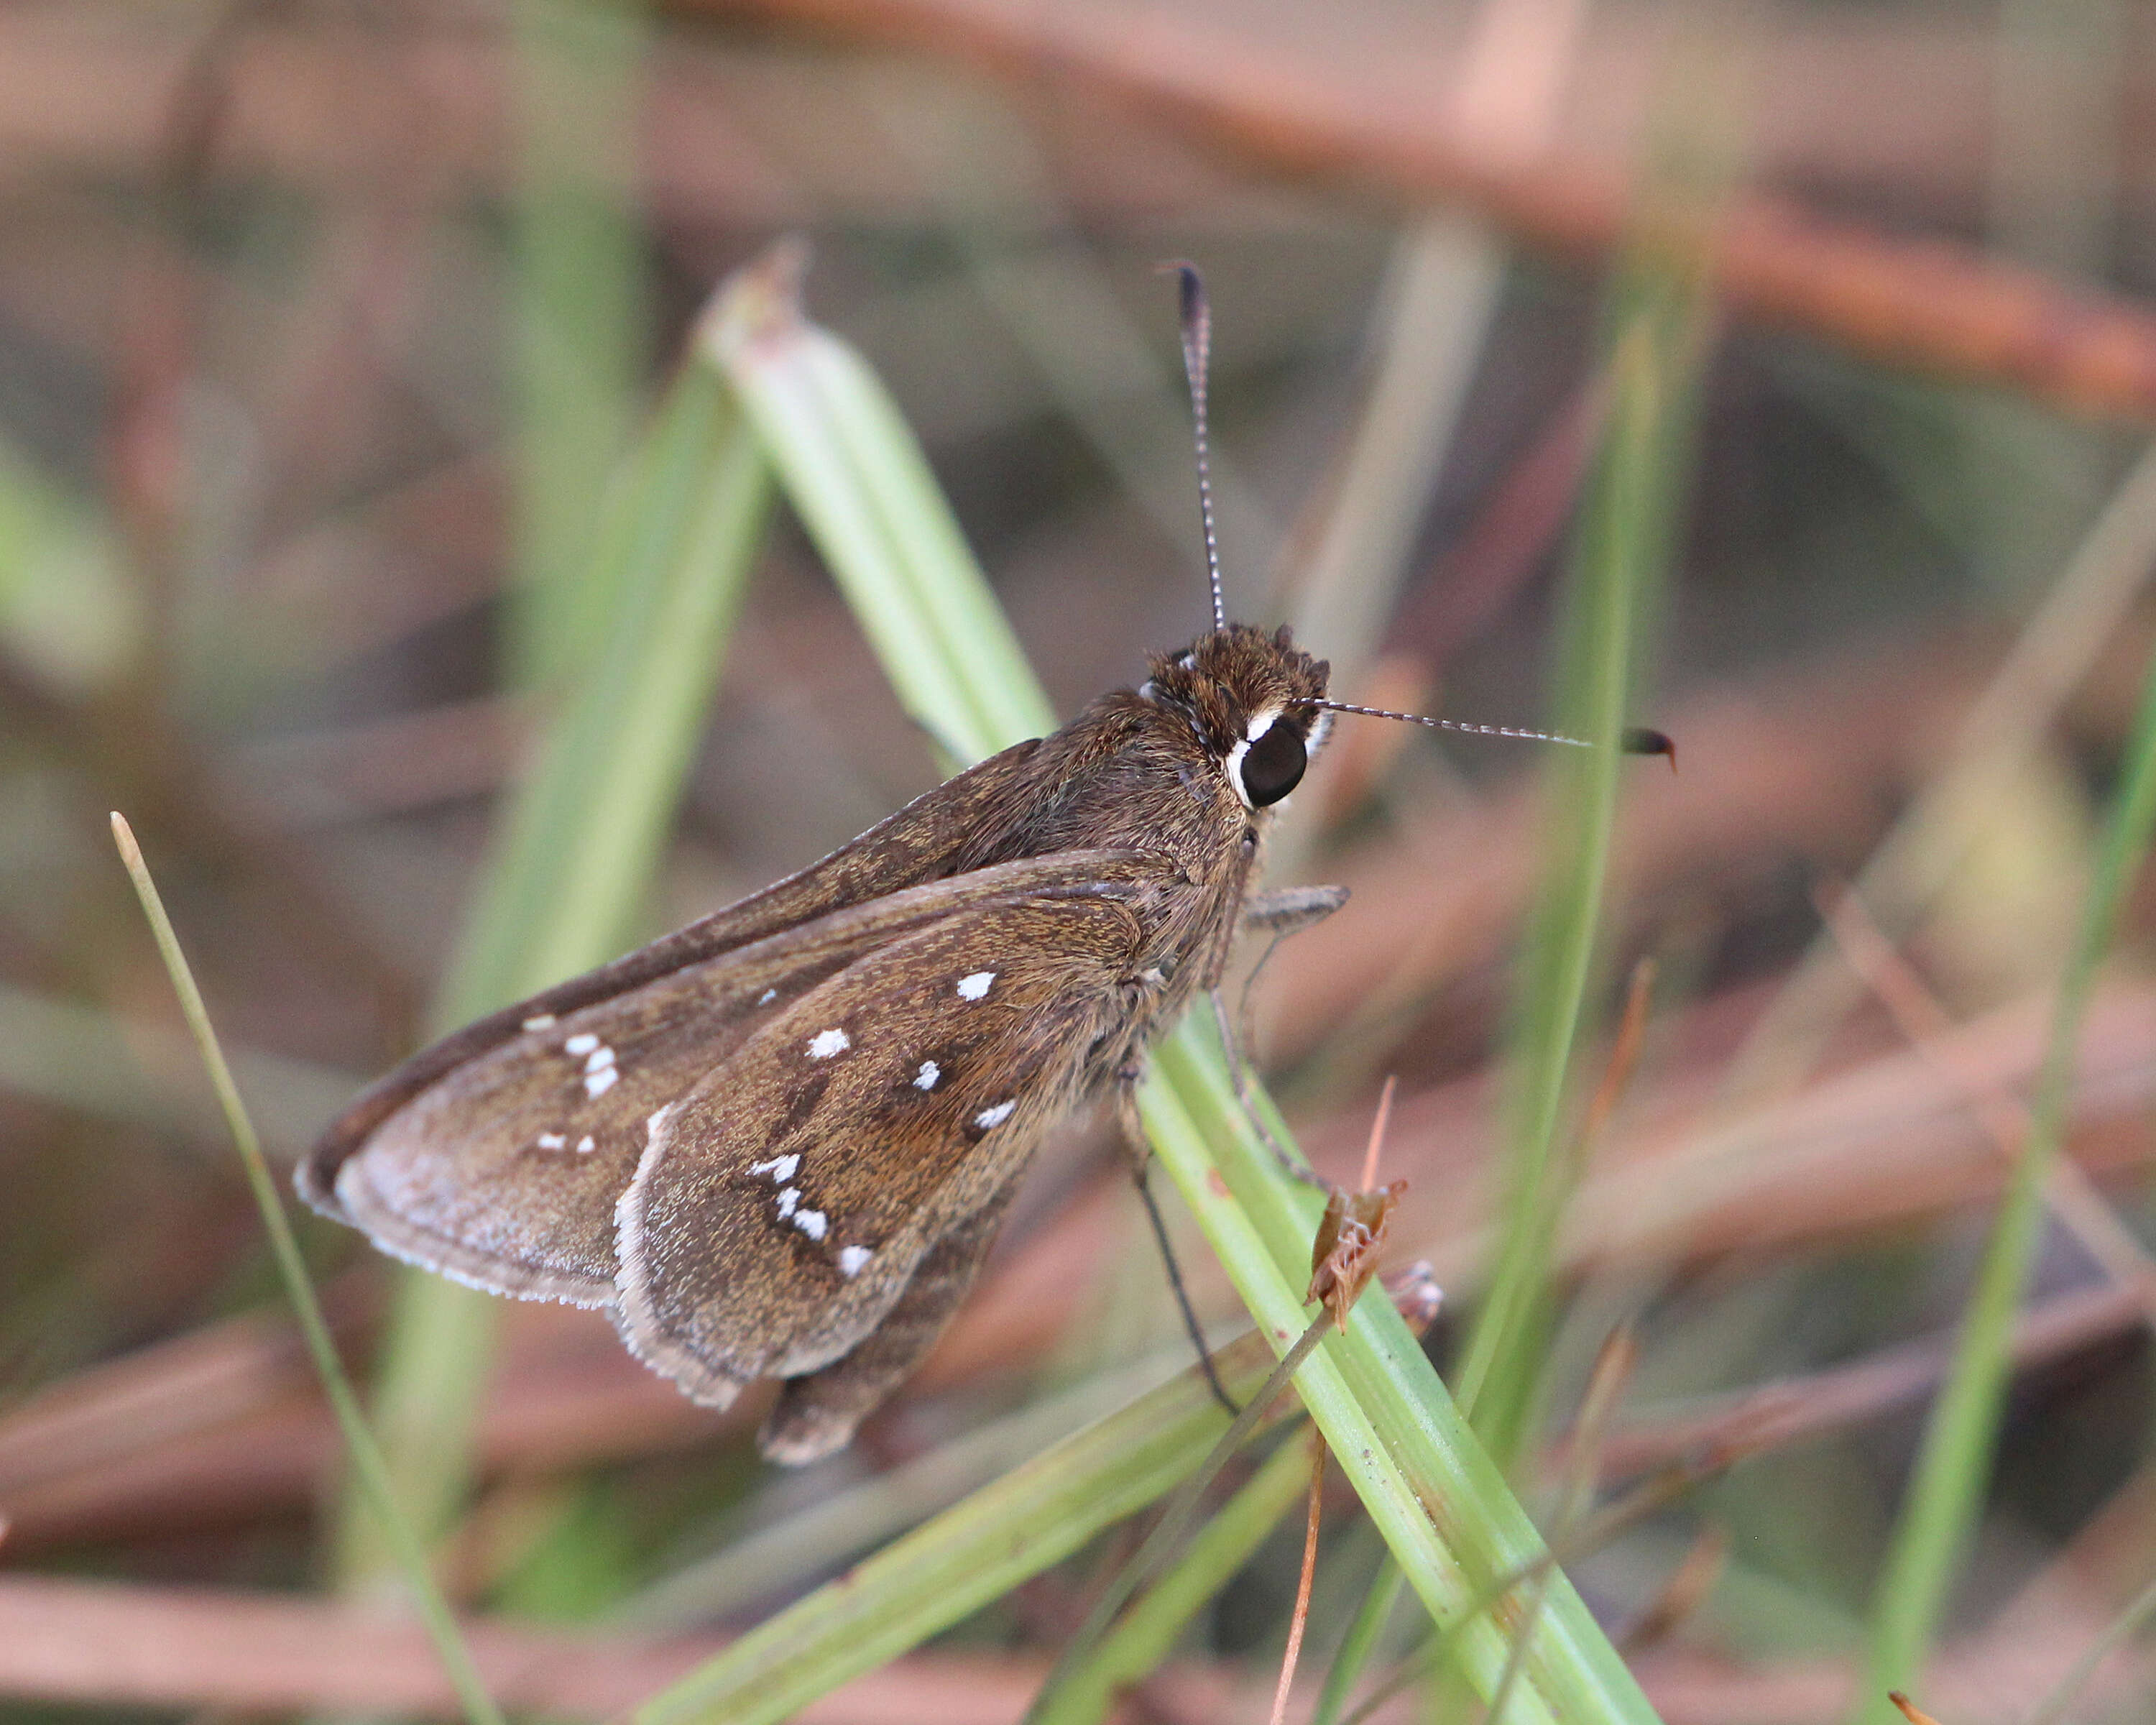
368 1467
1953 1465
2051 1710
1622 546
575 857
1360 1642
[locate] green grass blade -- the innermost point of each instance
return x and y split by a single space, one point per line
856 476
576 852
1953 1466
785 1555
1622 545
1149 1631
1440 1504
368 1466
1432 1490
580 314
586 835
974 1553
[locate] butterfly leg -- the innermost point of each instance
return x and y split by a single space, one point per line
1245 1082
1287 909
1279 914
1141 1154
816 1413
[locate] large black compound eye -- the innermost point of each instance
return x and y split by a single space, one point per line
1272 766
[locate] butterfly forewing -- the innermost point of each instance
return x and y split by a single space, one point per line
783 1208
503 1170
921 842
505 1173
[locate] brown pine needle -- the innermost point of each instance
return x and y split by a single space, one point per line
1377 1125
1681 1595
1300 1620
1910 1711
1613 1364
1623 1052
1924 1021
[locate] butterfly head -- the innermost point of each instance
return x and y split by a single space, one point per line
1250 698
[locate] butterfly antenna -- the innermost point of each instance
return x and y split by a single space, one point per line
1197 349
1636 741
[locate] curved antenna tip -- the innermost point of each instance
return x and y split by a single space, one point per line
1190 287
1640 740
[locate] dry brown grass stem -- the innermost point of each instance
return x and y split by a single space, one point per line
1928 304
1774 1416
1919 1016
1299 1619
105 1642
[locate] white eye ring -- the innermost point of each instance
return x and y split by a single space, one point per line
1261 723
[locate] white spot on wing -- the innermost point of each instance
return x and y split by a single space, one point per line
601 1058
826 1043
779 1168
988 1118
786 1199
926 1078
853 1260
540 1021
767 996
810 1223
582 1043
586 1145
972 988
551 1140
598 1083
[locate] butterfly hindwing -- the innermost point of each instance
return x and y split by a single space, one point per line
782 1209
817 1413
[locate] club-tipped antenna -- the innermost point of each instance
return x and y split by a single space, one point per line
1197 349
1638 740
